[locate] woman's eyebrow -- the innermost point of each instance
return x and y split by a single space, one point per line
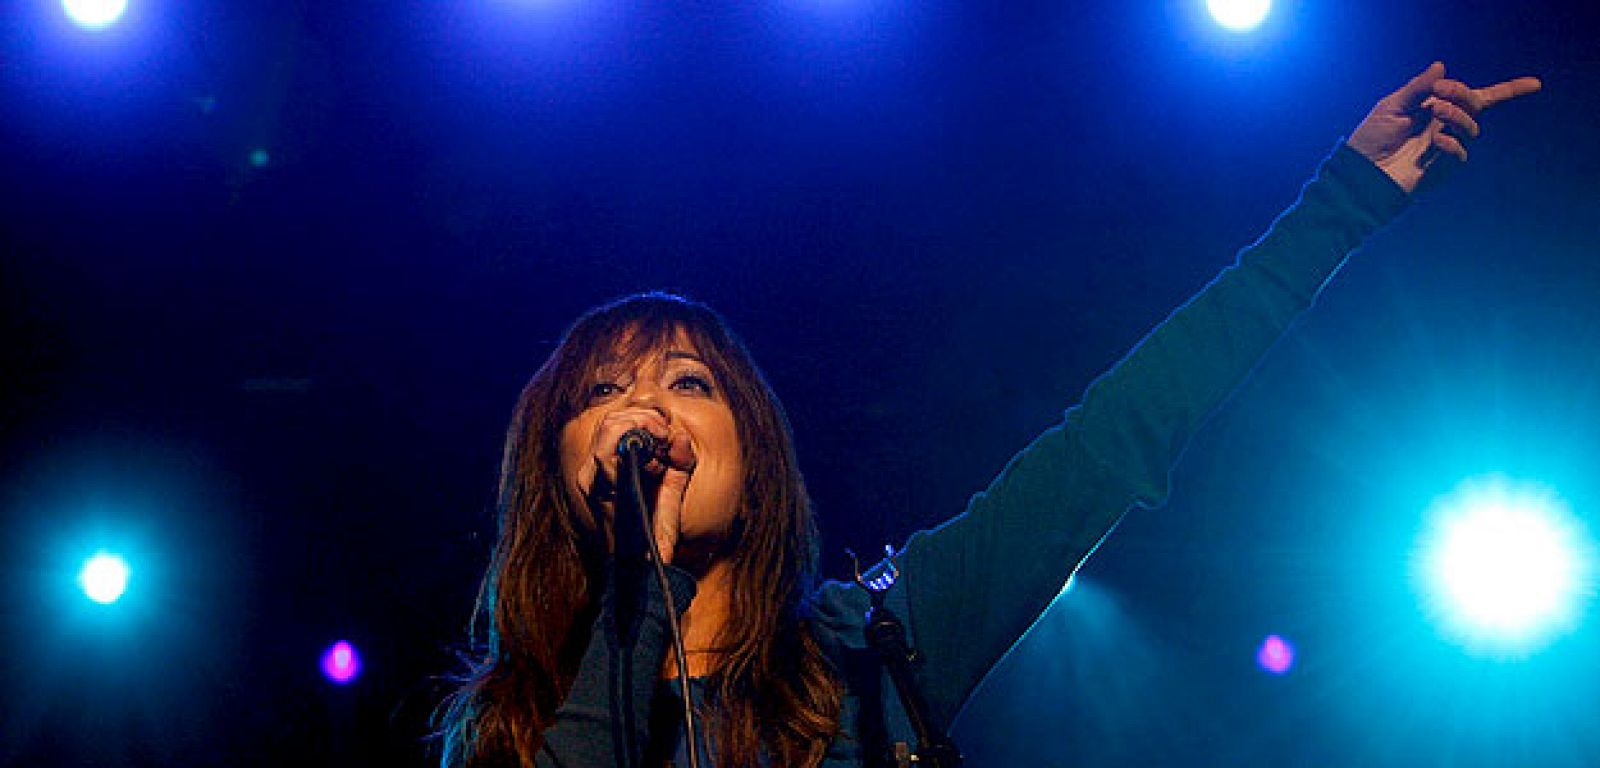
678 354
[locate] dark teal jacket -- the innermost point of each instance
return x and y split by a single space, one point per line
970 588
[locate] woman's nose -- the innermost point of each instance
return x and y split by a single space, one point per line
647 395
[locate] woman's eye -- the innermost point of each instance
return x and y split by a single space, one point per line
693 381
603 389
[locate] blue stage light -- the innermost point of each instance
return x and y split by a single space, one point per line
94 14
1239 15
104 578
1504 567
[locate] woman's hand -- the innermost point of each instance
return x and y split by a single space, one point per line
1409 128
672 465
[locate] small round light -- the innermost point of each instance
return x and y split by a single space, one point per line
1275 655
104 578
341 663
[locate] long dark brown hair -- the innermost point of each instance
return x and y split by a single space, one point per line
774 693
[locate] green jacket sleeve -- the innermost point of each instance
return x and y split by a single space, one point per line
978 582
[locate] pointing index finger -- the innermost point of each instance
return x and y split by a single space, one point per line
1509 89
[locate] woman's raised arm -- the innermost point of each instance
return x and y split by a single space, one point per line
974 585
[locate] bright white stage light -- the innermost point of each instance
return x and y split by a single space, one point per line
104 578
94 14
1239 15
1504 566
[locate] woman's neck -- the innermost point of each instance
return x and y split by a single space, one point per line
703 622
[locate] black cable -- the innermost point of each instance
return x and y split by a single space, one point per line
635 487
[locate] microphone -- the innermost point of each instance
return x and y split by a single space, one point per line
636 442
633 547
633 513
631 542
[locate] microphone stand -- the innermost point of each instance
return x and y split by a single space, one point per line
634 540
886 633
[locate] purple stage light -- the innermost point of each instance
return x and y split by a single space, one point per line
1275 655
340 663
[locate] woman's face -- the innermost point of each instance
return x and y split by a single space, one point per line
669 389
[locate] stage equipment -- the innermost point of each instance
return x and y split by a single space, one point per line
635 543
886 633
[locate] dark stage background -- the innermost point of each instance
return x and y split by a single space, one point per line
273 274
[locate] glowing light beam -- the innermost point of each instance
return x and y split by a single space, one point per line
1239 15
94 14
1503 566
